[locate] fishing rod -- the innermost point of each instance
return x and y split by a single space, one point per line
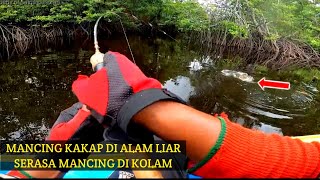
96 61
97 58
95 36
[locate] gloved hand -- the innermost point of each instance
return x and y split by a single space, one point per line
118 91
74 125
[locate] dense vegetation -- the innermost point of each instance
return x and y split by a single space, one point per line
287 32
275 33
274 19
187 15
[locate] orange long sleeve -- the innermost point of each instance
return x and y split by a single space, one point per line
254 154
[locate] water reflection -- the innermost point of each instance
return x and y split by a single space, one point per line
32 131
181 86
268 129
265 113
35 88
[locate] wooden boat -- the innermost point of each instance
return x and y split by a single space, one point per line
310 138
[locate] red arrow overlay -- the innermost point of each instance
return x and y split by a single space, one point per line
263 83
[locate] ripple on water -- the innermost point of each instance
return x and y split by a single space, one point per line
266 113
30 131
272 104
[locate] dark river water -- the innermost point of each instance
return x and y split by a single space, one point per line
36 87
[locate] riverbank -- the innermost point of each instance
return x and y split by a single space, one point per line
19 40
278 55
263 36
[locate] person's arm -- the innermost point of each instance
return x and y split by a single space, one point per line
225 149
221 148
175 121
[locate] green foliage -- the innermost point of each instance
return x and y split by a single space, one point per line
234 29
296 19
7 14
296 75
185 15
146 10
306 75
260 69
273 19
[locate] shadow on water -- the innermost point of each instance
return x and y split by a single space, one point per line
36 87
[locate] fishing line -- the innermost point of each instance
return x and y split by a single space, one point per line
95 34
125 34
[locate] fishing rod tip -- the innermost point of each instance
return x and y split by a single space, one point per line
96 59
